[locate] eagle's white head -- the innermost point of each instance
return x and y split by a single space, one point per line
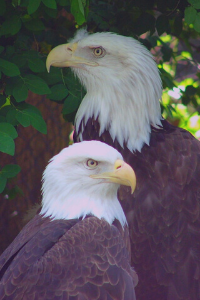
83 179
122 82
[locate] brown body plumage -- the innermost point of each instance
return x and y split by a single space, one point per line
164 212
74 259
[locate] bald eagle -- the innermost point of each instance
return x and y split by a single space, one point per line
122 109
78 246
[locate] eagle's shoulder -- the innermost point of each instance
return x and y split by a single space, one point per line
72 258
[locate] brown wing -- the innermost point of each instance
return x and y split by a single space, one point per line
86 261
163 213
31 229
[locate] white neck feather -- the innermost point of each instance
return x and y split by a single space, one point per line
125 97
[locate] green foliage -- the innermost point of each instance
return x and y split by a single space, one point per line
7 135
29 29
58 92
191 14
9 171
79 9
8 68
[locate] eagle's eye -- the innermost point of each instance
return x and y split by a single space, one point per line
91 163
99 51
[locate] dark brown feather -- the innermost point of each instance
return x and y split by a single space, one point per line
163 213
68 259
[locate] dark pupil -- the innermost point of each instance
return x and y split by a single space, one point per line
98 51
92 162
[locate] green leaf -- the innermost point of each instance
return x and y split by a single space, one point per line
58 92
167 79
33 6
11 83
13 192
30 107
63 2
167 52
53 77
71 104
36 120
53 13
2 100
190 90
190 15
1 49
2 7
170 110
36 65
37 85
50 3
9 68
34 25
19 60
81 8
7 144
10 171
23 118
197 22
78 11
20 93
162 24
153 40
11 26
8 129
185 100
145 22
10 50
195 3
11 116
3 182
178 25
2 119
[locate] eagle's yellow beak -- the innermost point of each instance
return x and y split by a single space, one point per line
64 56
122 174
